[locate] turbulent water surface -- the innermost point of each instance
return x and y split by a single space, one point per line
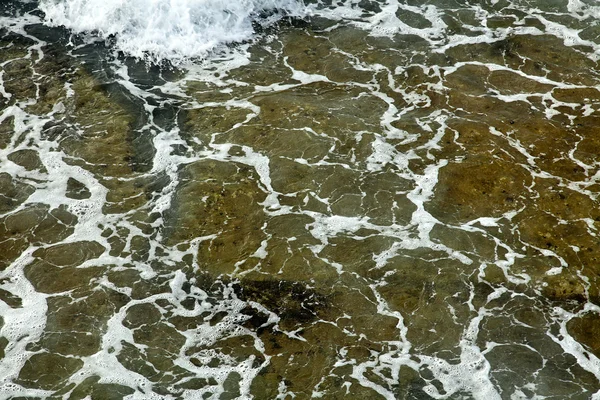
270 199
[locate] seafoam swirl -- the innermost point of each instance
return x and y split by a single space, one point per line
174 29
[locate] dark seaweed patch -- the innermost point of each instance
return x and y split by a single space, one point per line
292 301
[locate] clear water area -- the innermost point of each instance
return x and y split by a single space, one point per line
377 201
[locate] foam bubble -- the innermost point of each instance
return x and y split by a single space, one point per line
178 29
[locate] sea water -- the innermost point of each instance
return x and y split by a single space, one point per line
288 200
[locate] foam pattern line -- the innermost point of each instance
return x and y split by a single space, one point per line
370 200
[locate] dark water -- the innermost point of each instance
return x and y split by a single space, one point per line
372 201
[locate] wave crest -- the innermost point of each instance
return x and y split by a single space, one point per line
168 29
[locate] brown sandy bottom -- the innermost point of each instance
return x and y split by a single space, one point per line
395 223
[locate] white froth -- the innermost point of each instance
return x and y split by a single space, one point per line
22 325
177 29
585 359
193 28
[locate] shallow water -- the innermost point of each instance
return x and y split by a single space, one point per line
362 200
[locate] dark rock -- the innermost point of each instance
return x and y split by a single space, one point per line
77 190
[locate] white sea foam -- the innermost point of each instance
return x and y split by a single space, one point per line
177 29
182 29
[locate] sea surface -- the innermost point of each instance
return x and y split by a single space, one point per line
277 199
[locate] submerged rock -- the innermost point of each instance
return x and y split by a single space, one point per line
219 203
28 159
295 303
586 330
77 190
35 224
